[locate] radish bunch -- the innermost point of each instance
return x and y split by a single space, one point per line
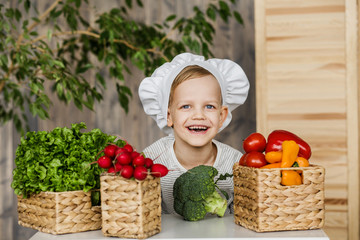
129 163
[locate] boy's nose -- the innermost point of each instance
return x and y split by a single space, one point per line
198 114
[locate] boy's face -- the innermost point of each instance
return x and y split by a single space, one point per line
196 112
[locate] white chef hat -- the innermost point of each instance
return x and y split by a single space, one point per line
154 91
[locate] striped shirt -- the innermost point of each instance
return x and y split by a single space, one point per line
162 151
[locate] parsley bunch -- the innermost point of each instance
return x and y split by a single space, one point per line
59 160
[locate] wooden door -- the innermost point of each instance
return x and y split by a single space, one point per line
307 82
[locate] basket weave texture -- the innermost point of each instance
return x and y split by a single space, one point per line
130 208
262 204
59 212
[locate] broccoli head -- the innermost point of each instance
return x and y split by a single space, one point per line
195 194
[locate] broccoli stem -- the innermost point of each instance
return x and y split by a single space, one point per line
215 204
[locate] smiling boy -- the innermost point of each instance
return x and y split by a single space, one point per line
192 99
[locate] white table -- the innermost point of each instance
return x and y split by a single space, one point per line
212 227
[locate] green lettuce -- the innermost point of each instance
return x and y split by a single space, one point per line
59 160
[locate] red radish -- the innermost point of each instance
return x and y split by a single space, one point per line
119 151
118 167
128 147
109 150
159 170
127 171
148 162
140 173
138 161
104 162
134 154
124 158
111 170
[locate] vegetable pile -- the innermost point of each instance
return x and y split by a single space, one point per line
283 149
129 163
195 193
59 160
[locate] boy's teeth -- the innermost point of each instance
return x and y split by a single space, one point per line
197 128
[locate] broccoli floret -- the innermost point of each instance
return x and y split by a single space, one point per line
195 194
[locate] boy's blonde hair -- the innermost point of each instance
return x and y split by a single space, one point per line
189 72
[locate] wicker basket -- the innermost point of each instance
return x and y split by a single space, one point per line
262 204
130 208
59 212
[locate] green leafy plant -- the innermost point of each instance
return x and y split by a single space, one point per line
68 51
59 160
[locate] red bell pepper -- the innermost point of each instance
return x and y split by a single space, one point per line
276 137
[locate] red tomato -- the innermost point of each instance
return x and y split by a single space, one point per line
255 159
242 160
254 142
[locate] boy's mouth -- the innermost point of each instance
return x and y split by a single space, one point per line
198 129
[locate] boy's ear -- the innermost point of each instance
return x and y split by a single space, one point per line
223 114
170 123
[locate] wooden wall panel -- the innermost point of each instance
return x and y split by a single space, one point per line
353 120
306 55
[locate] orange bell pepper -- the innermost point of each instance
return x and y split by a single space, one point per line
273 157
302 162
290 177
290 152
272 165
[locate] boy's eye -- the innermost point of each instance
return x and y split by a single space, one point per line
210 107
185 106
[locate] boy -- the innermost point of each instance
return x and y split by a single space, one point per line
192 99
